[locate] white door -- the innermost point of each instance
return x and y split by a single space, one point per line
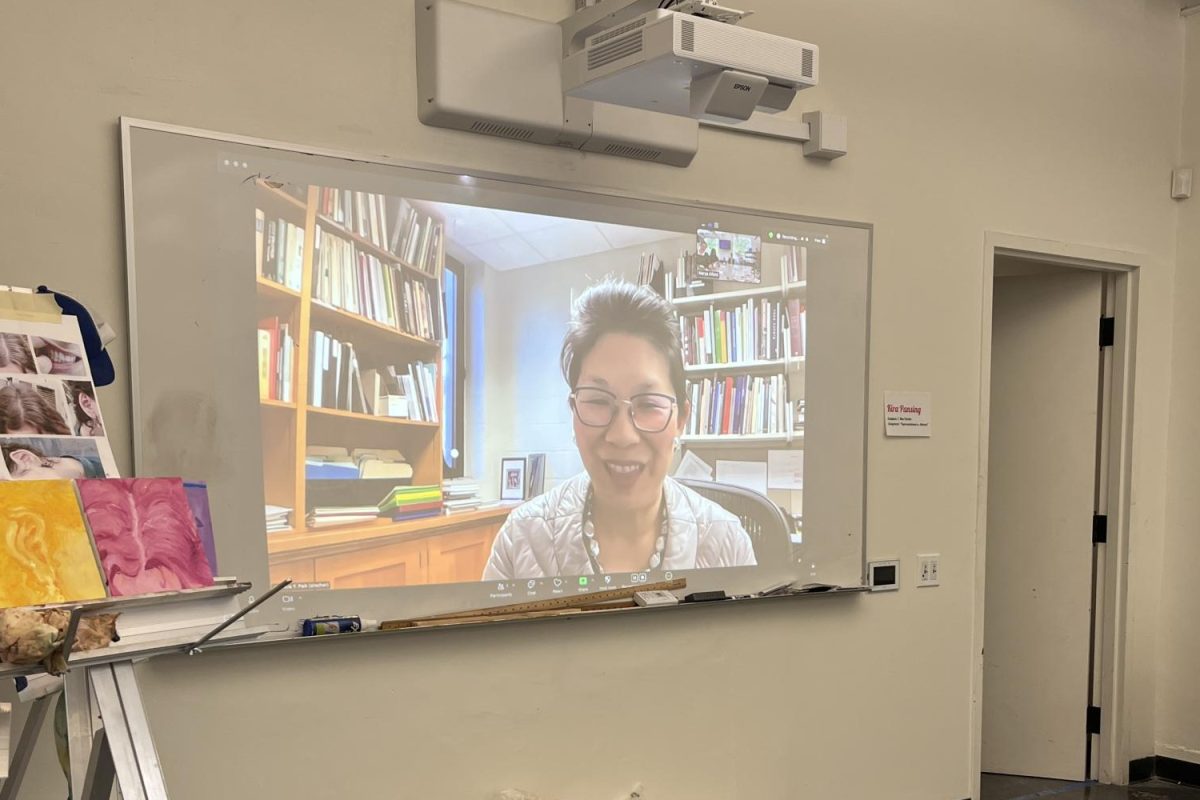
1041 497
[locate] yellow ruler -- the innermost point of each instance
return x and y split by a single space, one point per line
552 605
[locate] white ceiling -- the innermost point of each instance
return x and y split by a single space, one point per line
513 239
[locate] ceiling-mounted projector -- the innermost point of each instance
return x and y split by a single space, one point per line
690 66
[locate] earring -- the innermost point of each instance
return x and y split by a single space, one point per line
678 444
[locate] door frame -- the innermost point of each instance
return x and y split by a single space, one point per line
1124 268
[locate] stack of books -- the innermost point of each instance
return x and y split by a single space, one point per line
278 519
460 495
340 463
349 483
327 516
412 502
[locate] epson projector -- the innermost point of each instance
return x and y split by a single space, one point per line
690 66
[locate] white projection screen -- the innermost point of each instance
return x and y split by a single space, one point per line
362 360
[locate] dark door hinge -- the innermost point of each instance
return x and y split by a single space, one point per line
1108 331
1099 529
1093 719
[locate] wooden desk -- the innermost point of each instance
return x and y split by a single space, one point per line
447 549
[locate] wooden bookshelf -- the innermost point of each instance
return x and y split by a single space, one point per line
741 439
790 369
337 229
366 326
278 195
771 365
380 552
690 302
371 418
272 289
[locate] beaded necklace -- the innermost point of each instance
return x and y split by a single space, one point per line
592 547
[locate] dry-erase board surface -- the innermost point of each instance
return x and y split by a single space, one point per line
364 360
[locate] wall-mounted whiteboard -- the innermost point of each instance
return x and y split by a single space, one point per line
361 358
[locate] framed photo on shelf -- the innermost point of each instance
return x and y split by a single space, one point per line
512 479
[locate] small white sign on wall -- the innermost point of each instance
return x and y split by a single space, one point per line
908 413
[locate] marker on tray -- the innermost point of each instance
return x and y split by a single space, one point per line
324 626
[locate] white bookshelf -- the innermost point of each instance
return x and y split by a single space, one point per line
771 365
740 295
741 440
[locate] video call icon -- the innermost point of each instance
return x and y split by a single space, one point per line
583 581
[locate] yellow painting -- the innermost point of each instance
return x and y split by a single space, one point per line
46 554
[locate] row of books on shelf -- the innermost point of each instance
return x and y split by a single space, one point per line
346 277
279 253
407 392
741 405
276 360
793 264
337 381
415 237
758 330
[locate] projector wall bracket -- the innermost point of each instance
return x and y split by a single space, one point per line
492 72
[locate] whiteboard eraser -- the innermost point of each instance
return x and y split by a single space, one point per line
657 597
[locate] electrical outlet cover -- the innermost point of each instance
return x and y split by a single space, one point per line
929 569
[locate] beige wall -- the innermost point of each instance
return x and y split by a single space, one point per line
1051 120
1178 707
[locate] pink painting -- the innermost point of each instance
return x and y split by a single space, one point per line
145 534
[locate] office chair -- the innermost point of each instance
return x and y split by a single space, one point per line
769 528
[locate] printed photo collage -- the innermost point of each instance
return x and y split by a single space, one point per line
50 420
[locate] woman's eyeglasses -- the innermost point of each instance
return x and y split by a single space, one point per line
650 412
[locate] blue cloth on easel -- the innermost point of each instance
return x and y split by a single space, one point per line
101 364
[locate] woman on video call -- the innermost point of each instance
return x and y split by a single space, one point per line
622 360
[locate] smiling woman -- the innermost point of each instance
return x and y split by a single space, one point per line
621 359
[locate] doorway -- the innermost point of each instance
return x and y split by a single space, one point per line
1055 399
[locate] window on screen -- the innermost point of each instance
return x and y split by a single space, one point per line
455 394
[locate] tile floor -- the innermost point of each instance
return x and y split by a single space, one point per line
1009 787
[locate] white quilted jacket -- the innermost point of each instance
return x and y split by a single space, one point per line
544 537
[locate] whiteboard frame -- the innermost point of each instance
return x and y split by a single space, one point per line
128 124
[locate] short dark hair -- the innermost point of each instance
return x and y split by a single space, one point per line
617 306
